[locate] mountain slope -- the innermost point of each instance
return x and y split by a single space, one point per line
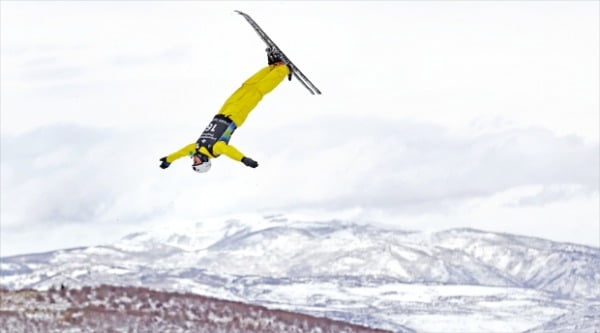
115 309
390 279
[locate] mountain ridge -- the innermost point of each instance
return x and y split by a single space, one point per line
378 277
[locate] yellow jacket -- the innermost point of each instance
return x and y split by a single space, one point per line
236 108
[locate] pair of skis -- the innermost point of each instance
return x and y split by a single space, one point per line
272 46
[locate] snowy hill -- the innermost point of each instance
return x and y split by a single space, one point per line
453 281
130 309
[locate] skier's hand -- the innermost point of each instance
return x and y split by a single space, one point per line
164 164
249 162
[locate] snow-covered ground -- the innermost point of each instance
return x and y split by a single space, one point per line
459 280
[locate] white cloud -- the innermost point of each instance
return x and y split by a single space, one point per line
74 175
430 112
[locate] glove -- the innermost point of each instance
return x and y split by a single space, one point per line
249 162
164 164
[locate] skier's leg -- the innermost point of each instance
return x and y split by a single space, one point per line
242 101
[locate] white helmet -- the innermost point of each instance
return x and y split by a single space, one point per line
204 165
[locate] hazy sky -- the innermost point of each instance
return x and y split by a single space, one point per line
434 115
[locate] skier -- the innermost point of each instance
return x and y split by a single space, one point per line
214 141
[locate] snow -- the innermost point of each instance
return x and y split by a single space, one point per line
459 280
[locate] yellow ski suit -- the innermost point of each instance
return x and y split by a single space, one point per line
236 109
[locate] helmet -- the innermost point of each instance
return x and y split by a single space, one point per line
204 164
202 167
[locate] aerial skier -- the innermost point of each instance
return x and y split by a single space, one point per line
214 141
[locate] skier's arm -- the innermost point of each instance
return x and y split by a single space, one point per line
183 152
222 148
232 152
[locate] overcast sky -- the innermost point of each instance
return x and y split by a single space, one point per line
434 115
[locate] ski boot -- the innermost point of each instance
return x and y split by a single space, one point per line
274 57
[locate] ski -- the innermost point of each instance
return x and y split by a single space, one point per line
293 68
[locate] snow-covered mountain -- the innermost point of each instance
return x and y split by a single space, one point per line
453 281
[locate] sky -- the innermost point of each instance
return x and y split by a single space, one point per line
434 115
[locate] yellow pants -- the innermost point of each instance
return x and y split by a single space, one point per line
237 107
242 101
